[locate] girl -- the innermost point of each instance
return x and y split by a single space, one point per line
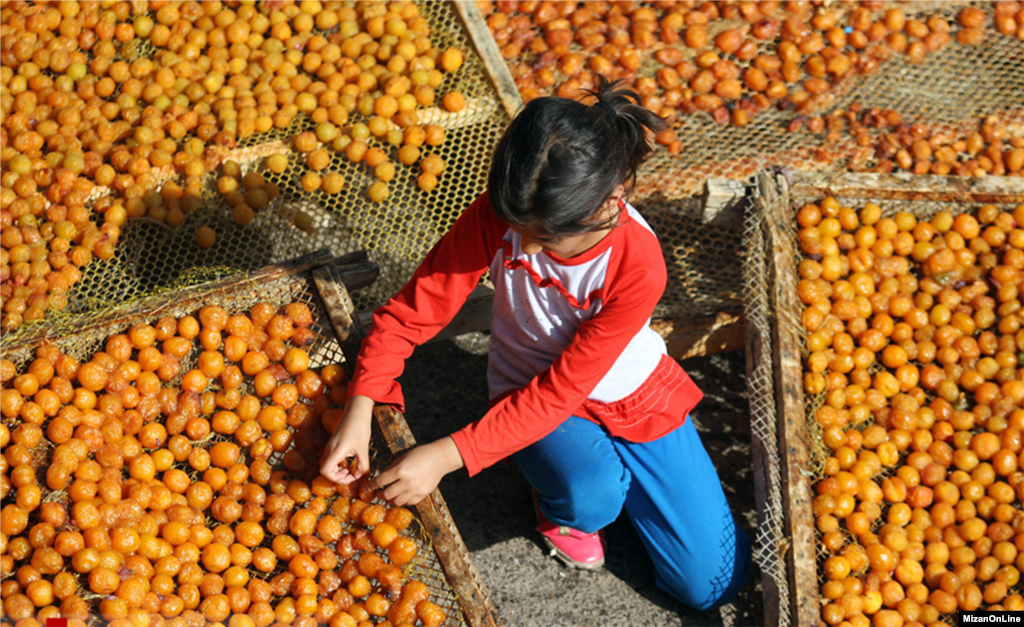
583 395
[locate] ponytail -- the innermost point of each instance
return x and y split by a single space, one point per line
632 122
560 160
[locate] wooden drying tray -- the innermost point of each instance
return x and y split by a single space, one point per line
777 192
451 550
332 281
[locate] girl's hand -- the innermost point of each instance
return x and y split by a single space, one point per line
350 439
414 475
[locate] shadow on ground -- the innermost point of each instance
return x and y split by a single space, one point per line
446 387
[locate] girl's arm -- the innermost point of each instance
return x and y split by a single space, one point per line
427 303
534 411
413 476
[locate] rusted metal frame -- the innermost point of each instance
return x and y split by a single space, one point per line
900 186
447 542
793 434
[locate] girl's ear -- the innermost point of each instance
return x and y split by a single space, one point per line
618 194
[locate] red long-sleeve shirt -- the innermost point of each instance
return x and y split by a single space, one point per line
569 336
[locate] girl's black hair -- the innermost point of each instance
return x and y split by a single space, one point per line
560 159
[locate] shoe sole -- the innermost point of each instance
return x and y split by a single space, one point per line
568 561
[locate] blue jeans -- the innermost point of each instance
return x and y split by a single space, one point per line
669 487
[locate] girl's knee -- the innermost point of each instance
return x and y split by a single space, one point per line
708 583
590 504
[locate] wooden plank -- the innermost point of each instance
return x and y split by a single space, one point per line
793 435
760 461
444 535
445 538
357 275
722 201
702 335
905 186
334 284
494 63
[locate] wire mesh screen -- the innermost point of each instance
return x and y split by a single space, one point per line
952 85
290 454
769 544
397 231
703 260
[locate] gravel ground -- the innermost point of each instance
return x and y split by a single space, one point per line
445 386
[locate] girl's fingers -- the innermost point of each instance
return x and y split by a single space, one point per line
337 468
362 465
384 478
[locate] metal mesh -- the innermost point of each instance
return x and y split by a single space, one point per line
398 232
953 86
757 305
922 210
323 350
704 269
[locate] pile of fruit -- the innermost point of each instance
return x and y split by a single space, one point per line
913 358
136 103
730 59
886 144
173 477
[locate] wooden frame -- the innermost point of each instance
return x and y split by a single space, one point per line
793 443
800 550
906 186
365 275
332 279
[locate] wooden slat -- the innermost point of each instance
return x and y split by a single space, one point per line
497 69
760 461
793 435
722 201
444 535
905 186
334 284
445 538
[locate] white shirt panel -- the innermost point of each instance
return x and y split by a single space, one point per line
532 325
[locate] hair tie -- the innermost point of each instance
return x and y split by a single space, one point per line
608 107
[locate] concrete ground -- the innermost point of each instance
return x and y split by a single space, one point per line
445 387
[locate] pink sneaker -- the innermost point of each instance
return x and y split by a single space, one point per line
575 548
